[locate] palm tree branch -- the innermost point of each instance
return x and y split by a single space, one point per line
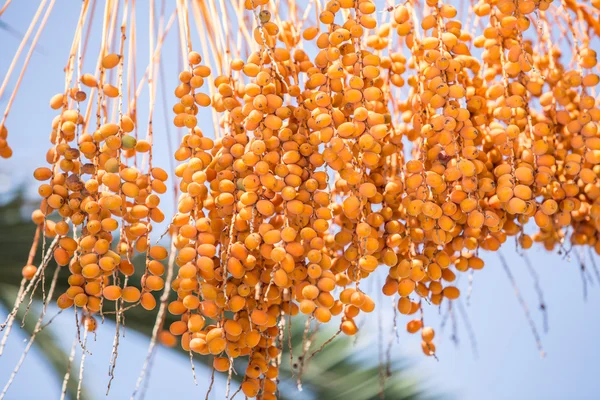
46 342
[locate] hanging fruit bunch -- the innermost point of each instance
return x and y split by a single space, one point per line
350 138
100 190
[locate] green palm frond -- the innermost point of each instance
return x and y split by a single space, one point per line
339 372
46 342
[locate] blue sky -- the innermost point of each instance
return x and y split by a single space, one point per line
508 365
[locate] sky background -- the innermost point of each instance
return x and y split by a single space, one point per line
507 365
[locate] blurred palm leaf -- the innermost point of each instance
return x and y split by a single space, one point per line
335 373
46 341
342 370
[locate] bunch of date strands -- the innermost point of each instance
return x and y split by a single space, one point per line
320 141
